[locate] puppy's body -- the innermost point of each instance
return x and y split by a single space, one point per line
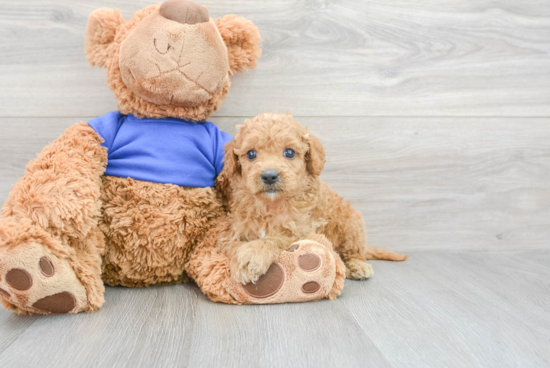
271 175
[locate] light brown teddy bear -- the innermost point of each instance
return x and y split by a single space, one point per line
124 198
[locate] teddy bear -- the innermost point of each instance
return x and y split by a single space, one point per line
123 199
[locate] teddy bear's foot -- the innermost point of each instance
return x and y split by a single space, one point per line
307 271
35 281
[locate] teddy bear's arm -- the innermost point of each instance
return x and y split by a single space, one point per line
60 189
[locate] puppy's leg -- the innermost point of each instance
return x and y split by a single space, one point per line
252 259
357 269
347 232
350 244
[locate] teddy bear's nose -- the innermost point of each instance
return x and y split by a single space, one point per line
183 11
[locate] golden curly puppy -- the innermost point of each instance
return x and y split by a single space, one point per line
271 173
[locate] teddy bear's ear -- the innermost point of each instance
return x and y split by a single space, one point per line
242 39
100 34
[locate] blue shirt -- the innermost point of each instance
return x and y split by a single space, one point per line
169 150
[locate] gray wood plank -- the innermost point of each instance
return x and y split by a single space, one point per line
337 58
452 309
443 183
136 325
12 326
319 334
421 183
458 309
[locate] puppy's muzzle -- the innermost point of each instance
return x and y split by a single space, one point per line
270 176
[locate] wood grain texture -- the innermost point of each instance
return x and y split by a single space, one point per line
336 58
451 309
421 183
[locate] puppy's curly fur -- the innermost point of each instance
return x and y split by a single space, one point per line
266 218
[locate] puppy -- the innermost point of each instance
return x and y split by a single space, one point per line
271 178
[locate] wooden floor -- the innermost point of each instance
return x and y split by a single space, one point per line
436 120
439 309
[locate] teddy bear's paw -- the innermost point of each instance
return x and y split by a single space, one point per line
306 271
34 281
357 269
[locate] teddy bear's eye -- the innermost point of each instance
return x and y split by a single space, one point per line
252 154
162 49
289 153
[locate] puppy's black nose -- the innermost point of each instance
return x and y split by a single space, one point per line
270 176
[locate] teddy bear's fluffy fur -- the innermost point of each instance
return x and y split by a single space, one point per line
264 220
106 229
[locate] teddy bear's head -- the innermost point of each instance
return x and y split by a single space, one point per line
170 59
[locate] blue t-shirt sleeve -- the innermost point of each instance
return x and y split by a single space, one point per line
219 140
107 127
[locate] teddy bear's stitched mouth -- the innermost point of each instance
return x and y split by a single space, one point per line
172 87
197 83
153 80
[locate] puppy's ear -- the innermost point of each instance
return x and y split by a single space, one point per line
100 34
231 167
242 39
231 164
315 156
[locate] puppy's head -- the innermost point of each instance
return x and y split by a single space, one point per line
272 157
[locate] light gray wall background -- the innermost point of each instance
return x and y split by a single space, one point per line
436 120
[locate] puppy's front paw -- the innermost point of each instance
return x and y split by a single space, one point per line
357 269
251 264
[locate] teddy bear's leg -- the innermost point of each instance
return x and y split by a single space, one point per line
50 245
307 271
40 275
151 228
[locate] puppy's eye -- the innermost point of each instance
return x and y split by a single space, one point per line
251 154
289 153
